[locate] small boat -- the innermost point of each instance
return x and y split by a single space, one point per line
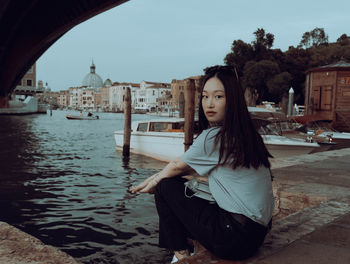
163 139
75 117
293 130
319 128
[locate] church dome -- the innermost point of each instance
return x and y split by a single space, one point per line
92 79
108 82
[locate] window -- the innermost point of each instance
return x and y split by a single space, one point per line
158 126
29 82
322 98
142 127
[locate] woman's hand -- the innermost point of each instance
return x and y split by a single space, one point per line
147 186
174 168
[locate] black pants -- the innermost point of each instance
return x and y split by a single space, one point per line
216 229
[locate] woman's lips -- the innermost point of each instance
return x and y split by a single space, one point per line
210 113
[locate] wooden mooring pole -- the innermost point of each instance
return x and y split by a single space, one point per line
189 111
127 122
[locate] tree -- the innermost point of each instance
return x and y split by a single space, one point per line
255 77
262 39
262 44
279 85
314 38
241 52
343 40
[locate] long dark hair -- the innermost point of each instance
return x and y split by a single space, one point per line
240 143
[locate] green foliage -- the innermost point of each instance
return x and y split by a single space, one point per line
268 73
343 40
240 55
257 74
279 85
314 38
262 39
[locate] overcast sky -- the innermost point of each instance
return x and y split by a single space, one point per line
161 40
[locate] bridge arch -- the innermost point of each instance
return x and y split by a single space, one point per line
29 28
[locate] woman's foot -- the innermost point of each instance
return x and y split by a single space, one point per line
174 260
198 247
181 254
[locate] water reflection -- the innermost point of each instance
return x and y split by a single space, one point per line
64 183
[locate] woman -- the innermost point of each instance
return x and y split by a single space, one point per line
231 156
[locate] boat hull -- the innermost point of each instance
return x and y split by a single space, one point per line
73 117
167 146
153 144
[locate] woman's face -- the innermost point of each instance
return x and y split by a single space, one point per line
214 100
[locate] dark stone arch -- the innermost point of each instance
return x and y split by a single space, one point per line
29 28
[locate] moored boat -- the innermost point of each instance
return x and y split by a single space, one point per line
320 128
75 117
163 139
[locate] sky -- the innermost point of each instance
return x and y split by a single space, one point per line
161 40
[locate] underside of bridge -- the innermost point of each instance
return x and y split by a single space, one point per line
29 28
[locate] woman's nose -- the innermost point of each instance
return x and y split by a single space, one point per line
210 102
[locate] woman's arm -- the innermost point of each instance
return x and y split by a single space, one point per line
174 168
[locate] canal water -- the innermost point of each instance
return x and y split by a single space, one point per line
63 182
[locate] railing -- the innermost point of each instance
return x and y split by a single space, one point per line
26 90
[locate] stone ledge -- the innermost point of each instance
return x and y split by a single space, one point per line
17 247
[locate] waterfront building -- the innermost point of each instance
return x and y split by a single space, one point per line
327 94
63 99
29 79
75 97
147 96
98 99
164 102
26 86
105 98
177 91
117 95
87 98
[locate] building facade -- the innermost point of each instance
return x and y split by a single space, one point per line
63 99
327 94
147 96
117 95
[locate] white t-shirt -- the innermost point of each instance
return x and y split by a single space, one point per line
245 191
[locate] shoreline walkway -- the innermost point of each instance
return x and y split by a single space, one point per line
311 223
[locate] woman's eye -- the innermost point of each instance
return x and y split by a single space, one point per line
204 96
219 96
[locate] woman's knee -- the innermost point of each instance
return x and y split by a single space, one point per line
169 186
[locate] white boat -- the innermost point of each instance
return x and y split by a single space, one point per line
75 117
342 139
163 139
321 128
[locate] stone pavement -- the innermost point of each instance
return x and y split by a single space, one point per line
311 223
17 247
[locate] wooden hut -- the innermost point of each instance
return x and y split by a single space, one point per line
327 94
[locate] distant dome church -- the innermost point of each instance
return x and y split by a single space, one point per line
92 79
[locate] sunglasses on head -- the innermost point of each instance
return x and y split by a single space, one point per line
221 69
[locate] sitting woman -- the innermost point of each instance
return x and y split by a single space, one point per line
229 154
